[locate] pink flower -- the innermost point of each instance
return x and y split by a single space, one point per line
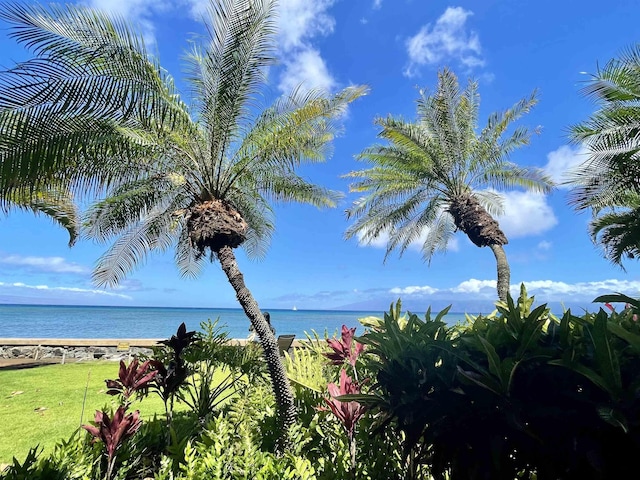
347 412
344 349
609 306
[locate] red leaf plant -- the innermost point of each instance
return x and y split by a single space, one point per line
133 378
112 432
344 349
347 412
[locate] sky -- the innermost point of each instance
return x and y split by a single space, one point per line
396 47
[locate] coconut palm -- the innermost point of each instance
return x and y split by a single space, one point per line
437 174
611 136
99 111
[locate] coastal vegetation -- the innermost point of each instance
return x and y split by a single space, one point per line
517 394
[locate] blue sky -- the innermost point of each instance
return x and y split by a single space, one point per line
396 47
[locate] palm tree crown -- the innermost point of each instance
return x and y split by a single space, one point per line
611 136
436 174
608 181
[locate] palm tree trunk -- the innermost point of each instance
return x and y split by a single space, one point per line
504 272
280 382
484 231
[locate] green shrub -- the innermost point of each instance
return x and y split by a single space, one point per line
518 394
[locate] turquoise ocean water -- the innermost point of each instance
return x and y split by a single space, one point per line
44 321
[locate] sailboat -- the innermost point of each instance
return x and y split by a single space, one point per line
294 308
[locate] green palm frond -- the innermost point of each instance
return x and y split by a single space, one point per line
611 136
156 232
55 203
618 232
75 106
189 262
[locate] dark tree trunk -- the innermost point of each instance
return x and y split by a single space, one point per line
280 382
481 228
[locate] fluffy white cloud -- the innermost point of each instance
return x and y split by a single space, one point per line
300 21
45 264
547 290
306 69
474 286
377 4
447 40
413 290
562 161
553 289
526 214
74 290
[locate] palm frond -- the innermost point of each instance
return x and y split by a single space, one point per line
56 203
157 231
90 77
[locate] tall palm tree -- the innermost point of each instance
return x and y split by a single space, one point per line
438 174
95 108
611 136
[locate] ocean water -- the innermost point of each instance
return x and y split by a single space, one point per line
45 321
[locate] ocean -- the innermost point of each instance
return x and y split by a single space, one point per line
54 321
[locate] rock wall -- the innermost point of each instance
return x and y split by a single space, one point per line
70 352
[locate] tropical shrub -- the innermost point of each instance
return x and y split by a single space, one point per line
517 394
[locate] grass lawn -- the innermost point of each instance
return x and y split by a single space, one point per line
43 405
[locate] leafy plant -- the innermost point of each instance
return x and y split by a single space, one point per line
113 432
133 379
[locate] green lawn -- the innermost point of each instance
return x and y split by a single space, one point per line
50 405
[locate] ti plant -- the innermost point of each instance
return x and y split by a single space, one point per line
134 379
171 367
347 411
113 432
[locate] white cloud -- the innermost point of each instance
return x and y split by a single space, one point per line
562 161
474 286
526 214
82 291
544 245
45 264
377 4
547 290
306 69
414 290
563 290
302 20
299 22
447 40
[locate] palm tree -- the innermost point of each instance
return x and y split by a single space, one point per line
437 174
608 181
95 108
611 136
